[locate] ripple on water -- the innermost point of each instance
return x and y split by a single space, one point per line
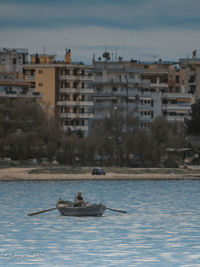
161 227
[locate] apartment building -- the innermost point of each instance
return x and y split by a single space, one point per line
17 89
176 106
118 85
157 73
11 61
12 84
79 93
175 101
146 89
190 75
65 86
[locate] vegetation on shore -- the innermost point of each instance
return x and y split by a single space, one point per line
28 131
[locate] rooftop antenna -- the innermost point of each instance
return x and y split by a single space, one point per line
116 53
105 47
154 57
44 53
44 49
112 53
124 48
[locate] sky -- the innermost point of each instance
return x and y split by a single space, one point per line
133 29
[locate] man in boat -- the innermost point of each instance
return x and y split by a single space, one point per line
79 201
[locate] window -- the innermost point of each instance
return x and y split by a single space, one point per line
67 85
177 79
99 89
40 84
40 71
192 79
14 61
67 72
192 89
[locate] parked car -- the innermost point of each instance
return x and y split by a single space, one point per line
98 171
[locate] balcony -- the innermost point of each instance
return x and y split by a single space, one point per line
77 90
177 95
159 85
104 105
75 128
76 115
74 103
176 118
29 77
175 107
109 94
146 106
20 94
76 77
119 83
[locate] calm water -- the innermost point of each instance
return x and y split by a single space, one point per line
162 227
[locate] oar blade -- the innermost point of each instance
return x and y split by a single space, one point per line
42 211
121 211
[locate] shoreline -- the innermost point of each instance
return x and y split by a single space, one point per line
28 174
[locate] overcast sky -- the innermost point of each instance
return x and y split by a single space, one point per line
138 29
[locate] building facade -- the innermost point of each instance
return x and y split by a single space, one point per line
18 89
119 85
190 75
66 88
78 94
146 90
165 78
11 61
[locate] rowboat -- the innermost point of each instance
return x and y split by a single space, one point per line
68 209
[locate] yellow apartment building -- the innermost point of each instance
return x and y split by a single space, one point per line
66 88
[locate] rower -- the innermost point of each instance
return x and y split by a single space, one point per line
79 201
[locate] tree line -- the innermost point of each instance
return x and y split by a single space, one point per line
28 130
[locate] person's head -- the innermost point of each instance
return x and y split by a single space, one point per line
79 194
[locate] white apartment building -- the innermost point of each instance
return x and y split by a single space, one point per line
147 90
66 87
11 61
190 75
118 85
177 106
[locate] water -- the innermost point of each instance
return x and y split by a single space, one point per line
161 227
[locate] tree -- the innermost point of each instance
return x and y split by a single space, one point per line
27 129
163 135
193 124
111 133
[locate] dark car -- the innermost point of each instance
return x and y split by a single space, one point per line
98 171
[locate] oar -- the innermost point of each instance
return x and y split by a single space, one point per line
122 211
42 211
